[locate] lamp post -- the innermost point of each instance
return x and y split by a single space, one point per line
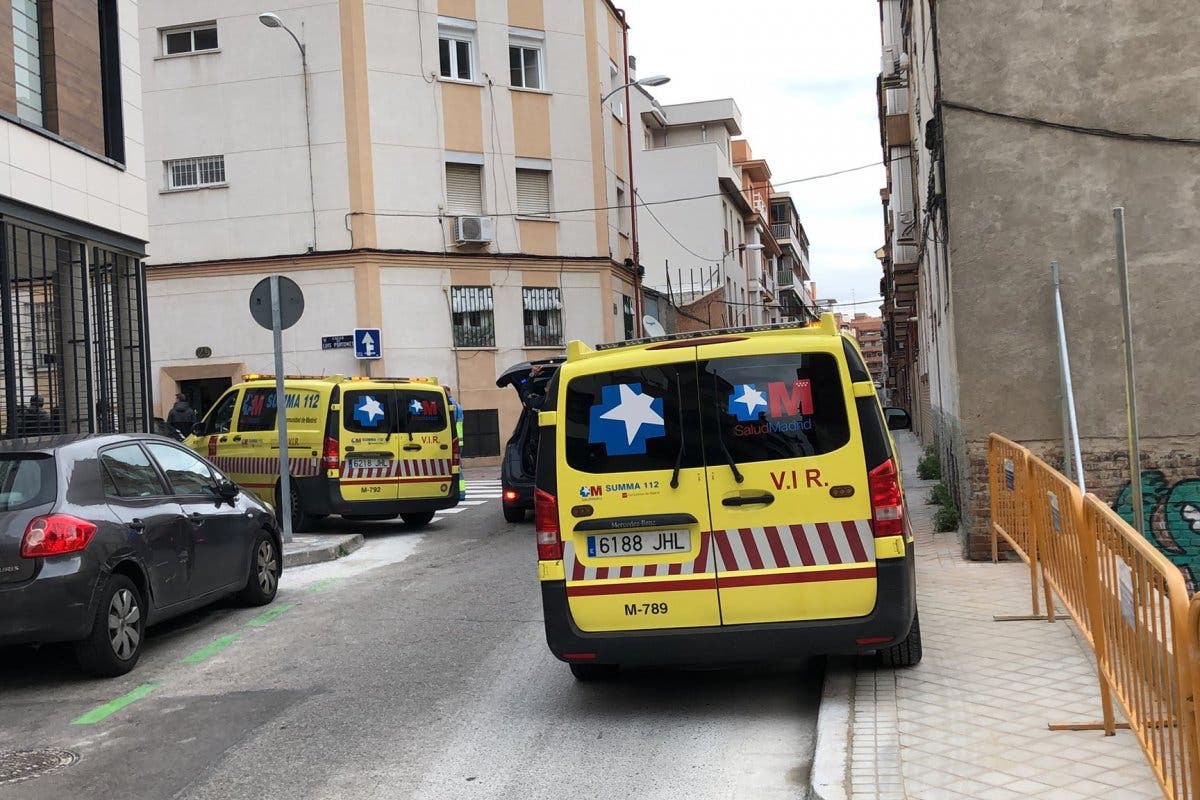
272 20
650 80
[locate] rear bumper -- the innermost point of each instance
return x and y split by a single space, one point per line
321 495
892 617
55 606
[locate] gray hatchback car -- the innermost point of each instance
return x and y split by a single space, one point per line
103 535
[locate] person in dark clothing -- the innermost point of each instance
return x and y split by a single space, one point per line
182 417
32 420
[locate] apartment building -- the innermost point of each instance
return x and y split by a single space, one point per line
793 276
762 294
868 330
73 224
1001 161
431 169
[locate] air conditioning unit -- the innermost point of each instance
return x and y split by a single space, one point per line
890 64
474 230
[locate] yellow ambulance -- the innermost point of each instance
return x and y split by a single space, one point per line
723 496
361 448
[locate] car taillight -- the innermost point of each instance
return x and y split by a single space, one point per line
545 522
455 451
510 495
55 535
331 457
887 506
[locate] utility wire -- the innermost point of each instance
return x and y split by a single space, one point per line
1065 126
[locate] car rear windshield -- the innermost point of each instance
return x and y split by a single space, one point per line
768 407
634 420
394 411
27 480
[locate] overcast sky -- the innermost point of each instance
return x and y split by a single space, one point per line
803 74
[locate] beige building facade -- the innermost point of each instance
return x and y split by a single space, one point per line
431 169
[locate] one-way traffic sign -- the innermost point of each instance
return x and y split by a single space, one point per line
368 344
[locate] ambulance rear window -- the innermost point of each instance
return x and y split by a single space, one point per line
394 411
767 407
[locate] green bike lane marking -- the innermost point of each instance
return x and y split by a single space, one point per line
267 616
211 649
101 713
321 586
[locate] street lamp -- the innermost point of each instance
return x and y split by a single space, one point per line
272 20
649 80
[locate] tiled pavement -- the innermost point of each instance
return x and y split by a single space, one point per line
970 720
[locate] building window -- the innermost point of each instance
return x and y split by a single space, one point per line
27 60
533 192
456 48
192 39
471 316
617 101
526 60
481 433
195 173
543 317
464 188
627 306
623 224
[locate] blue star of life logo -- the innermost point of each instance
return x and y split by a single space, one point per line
745 402
368 412
585 492
625 420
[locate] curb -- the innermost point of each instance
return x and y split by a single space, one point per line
340 546
827 781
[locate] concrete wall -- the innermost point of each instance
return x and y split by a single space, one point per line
37 170
1021 195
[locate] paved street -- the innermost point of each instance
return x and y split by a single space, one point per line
413 668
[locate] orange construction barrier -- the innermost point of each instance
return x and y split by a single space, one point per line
1065 551
1148 647
1008 475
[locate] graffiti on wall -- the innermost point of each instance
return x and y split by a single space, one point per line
1172 512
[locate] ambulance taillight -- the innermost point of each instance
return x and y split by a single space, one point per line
545 523
331 456
887 505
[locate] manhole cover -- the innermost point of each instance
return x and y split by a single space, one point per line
24 764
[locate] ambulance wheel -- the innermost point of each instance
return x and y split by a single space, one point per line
906 653
302 521
514 514
417 519
590 673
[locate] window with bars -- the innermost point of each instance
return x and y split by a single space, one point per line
456 49
471 316
526 60
27 60
464 188
533 192
192 39
195 173
543 317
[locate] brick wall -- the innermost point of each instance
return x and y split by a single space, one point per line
1170 487
706 313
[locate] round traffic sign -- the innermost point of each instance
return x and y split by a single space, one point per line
291 303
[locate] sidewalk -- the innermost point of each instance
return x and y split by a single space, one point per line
970 720
313 548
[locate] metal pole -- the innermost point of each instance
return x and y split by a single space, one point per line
284 511
633 230
1064 361
1131 414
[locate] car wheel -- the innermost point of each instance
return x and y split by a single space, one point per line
263 581
514 514
302 522
115 643
417 518
589 673
906 653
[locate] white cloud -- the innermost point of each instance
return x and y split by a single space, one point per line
803 73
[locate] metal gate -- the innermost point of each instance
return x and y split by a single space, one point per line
74 335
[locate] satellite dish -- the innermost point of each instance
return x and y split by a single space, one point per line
653 327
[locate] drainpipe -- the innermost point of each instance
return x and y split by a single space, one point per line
633 234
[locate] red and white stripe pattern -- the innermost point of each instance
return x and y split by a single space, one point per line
578 571
746 550
782 546
439 468
255 465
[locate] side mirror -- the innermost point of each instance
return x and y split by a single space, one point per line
198 429
897 419
228 490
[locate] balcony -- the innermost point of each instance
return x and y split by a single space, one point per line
785 277
784 230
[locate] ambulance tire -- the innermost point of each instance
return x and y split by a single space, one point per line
514 514
592 673
302 522
906 653
417 519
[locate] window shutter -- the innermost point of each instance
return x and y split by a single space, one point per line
464 188
471 298
542 299
533 192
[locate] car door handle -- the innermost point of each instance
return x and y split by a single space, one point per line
237 438
412 447
764 499
137 526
